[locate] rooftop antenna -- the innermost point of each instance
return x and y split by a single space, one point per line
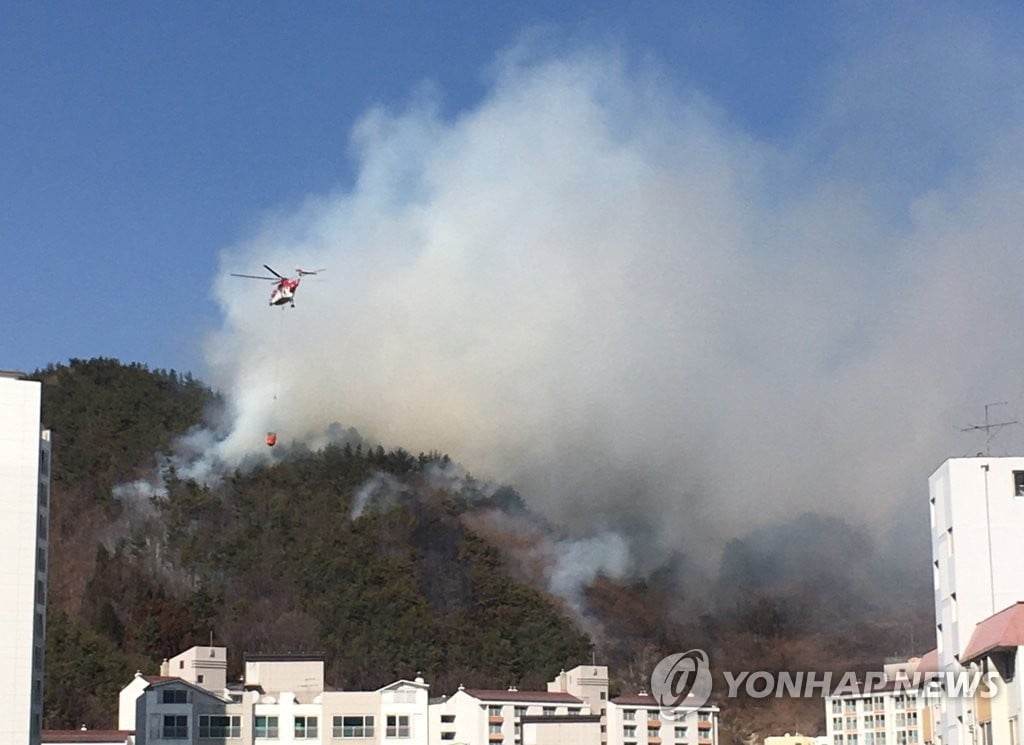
990 428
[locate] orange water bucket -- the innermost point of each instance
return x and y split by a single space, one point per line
271 438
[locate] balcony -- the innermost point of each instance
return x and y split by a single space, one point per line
653 724
495 737
495 719
703 726
704 741
653 740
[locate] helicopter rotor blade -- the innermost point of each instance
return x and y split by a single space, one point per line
272 272
253 276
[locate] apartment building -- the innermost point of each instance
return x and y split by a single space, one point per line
892 711
474 716
640 720
281 699
24 547
997 648
977 528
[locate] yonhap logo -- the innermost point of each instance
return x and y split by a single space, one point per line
682 679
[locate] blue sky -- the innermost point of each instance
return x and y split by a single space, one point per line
139 139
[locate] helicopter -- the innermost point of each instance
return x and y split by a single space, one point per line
284 293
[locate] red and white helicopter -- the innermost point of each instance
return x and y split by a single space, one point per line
284 293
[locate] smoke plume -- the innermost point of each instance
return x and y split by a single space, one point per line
594 286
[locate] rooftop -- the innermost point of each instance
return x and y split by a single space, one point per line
86 735
541 697
1004 630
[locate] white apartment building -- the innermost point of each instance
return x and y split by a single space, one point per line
474 716
24 525
997 648
281 699
640 720
891 712
977 528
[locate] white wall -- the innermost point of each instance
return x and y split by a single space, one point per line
977 525
20 478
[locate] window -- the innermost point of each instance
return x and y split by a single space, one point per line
1018 483
604 695
869 738
40 592
837 707
306 727
447 735
880 721
851 722
549 711
219 726
574 711
41 559
680 733
405 696
175 727
352 726
837 740
837 723
44 493
520 711
850 705
629 731
396 726
447 718
703 716
869 721
494 729
851 740
44 463
652 733
1013 730
199 679
494 711
654 714
264 727
629 715
880 738
174 696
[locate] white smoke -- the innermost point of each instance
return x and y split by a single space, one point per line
593 286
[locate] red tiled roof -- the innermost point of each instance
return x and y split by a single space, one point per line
1004 630
646 699
642 700
929 662
159 678
83 735
540 697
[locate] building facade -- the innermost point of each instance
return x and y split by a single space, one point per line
512 717
891 712
977 529
281 699
639 720
24 545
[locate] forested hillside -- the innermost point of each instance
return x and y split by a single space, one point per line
273 559
265 561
